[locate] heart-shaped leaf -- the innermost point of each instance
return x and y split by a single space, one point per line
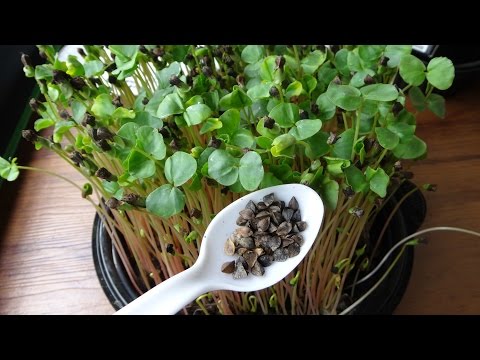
440 73
196 114
355 178
412 70
251 170
151 141
165 201
386 138
285 114
379 92
223 167
170 105
252 53
139 165
345 97
312 61
436 104
102 106
411 149
179 168
304 129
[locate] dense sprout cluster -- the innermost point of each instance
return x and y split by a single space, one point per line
169 135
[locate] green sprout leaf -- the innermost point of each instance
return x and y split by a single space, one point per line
61 127
326 74
243 138
269 180
317 145
223 167
326 109
417 97
8 170
402 130
139 165
196 114
165 201
123 113
210 125
151 141
341 62
251 170
379 182
128 132
329 193
395 54
436 104
259 91
270 133
411 149
102 106
285 114
283 145
345 97
386 138
379 92
355 178
294 89
370 53
165 74
145 118
230 122
269 71
309 83
412 70
335 166
179 168
252 53
312 61
354 62
53 92
358 80
264 142
343 147
237 99
78 111
304 129
44 72
171 104
157 99
41 124
74 67
93 68
440 73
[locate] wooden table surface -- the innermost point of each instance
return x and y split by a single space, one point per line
46 265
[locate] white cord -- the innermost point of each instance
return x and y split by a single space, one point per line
400 243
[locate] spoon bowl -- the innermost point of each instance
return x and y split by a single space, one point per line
206 275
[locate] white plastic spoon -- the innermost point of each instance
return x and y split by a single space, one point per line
205 275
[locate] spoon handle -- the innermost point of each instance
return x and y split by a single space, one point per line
168 297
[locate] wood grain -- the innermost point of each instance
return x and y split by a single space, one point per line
46 264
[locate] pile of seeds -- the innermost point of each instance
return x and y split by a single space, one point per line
268 231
